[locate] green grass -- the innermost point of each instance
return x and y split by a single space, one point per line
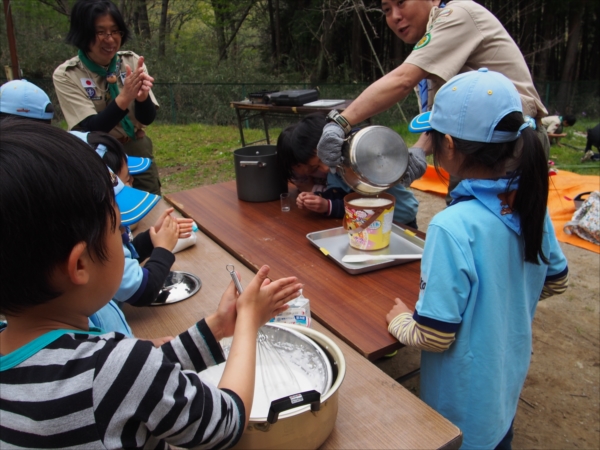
194 155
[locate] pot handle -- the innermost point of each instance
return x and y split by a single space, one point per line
283 404
253 163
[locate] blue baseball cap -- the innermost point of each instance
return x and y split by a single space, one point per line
470 105
135 164
25 99
133 203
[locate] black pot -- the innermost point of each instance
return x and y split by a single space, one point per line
257 176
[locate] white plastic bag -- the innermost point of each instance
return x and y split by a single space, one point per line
586 220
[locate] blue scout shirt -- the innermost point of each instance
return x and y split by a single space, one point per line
475 282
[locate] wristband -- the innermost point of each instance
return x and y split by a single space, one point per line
336 117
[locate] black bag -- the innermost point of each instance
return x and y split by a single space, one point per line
294 98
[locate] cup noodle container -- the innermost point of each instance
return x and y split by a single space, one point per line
368 220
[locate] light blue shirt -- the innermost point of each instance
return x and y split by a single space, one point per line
110 318
475 281
405 210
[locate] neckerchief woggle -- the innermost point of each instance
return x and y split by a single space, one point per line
113 88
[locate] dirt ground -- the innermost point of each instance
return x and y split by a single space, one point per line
559 407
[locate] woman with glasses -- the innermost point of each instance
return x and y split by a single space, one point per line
105 89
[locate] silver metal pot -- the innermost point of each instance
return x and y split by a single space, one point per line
257 176
373 159
307 426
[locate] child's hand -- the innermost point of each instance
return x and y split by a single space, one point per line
312 202
161 219
222 321
398 309
185 224
185 227
263 299
166 237
157 342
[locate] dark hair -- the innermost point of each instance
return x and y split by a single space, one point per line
531 171
56 192
49 109
82 32
115 155
570 119
297 144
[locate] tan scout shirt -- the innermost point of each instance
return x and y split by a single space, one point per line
465 36
551 123
82 93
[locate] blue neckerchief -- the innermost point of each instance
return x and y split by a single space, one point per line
423 86
491 194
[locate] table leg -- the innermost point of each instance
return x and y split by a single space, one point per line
239 117
266 125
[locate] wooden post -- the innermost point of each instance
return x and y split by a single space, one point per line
12 45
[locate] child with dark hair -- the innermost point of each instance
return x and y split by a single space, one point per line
66 384
488 259
140 285
320 190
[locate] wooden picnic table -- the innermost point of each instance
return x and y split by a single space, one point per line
374 411
351 306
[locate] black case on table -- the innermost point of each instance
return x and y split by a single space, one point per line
293 98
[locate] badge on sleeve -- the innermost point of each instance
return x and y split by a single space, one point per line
423 42
88 83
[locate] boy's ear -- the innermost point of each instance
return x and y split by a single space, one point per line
78 264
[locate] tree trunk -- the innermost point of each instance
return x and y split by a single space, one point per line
356 55
568 67
162 28
143 21
220 28
277 35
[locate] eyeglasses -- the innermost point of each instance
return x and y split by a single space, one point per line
113 34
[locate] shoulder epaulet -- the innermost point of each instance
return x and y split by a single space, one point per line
68 64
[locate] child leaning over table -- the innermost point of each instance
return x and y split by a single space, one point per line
488 258
140 285
322 191
64 384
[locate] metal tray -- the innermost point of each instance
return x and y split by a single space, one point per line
334 244
178 286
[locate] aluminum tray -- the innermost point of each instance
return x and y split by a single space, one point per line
334 244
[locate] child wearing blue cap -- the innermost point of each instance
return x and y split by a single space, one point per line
488 259
64 384
140 285
20 98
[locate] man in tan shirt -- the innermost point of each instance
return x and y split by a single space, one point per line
450 38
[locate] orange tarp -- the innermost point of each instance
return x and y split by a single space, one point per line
563 184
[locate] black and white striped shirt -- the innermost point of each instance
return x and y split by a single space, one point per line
92 390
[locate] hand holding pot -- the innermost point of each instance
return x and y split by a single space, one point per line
329 148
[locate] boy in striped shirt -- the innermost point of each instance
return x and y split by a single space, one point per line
64 384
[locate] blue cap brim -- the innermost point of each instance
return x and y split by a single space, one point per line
420 123
135 204
137 165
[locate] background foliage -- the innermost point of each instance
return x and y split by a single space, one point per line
206 53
